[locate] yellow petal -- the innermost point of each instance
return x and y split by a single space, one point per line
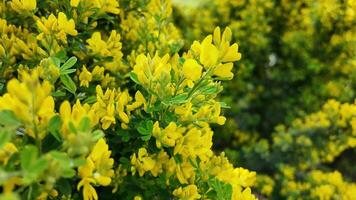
192 70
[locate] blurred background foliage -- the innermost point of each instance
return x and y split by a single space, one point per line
292 112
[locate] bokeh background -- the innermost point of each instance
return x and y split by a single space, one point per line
293 115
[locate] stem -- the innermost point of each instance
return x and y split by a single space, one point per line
35 130
191 92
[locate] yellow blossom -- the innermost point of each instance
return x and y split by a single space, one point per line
168 136
189 192
23 5
97 170
68 26
85 77
31 102
209 53
192 70
142 162
109 6
6 151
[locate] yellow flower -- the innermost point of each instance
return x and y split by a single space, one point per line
97 45
76 114
89 192
224 70
68 26
195 142
109 6
74 3
142 162
123 100
6 151
209 53
139 100
98 73
168 136
189 192
184 171
23 5
246 194
97 170
31 102
105 106
85 77
60 26
192 70
137 198
9 184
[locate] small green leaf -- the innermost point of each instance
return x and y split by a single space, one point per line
5 136
39 166
78 162
59 93
224 105
8 118
178 99
146 137
64 186
97 134
54 126
56 61
70 63
145 128
28 157
209 89
68 71
84 124
61 55
68 83
72 128
134 77
90 100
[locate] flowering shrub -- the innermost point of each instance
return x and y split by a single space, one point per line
97 103
292 103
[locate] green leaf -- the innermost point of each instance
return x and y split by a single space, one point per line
70 63
39 166
68 71
54 127
209 89
64 163
28 157
146 137
5 136
68 83
178 99
97 134
134 77
145 128
79 162
8 118
224 105
71 127
64 186
90 100
59 93
56 61
84 124
61 55
222 190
